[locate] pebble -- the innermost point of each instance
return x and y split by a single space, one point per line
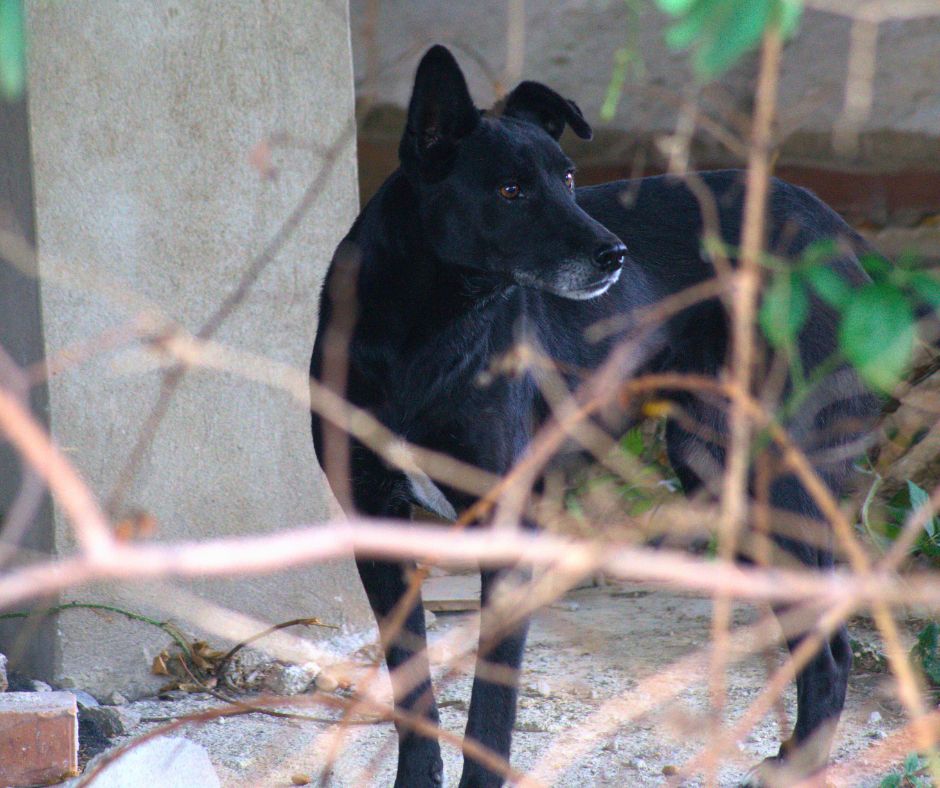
289 679
669 770
300 779
326 683
543 688
874 718
430 620
35 685
114 698
84 699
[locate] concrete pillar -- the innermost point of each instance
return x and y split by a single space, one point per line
143 117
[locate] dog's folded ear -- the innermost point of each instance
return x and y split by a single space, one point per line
440 114
539 104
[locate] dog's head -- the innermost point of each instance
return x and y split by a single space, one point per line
496 192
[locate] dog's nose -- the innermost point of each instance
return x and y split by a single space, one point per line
610 258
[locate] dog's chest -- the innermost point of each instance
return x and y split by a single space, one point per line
442 389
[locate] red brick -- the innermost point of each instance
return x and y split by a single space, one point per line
38 738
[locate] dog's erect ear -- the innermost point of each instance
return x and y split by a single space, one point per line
539 104
440 114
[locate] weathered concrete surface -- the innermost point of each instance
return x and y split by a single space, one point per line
142 120
170 762
594 647
572 46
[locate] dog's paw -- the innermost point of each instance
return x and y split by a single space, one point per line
424 774
789 767
475 776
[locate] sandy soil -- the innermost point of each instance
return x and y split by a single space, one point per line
595 646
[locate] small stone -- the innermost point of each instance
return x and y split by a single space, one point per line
111 720
430 620
669 770
84 699
543 688
300 779
639 764
35 685
288 679
326 682
4 683
114 698
247 669
874 718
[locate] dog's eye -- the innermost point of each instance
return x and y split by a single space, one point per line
569 180
510 190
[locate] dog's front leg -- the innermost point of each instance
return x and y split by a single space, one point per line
495 685
419 757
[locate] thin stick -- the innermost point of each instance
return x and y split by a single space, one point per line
747 279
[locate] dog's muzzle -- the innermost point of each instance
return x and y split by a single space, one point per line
610 258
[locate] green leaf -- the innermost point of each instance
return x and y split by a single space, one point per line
790 13
875 265
891 781
784 310
632 442
675 7
927 287
820 252
12 49
912 763
829 285
723 30
684 32
925 653
918 497
737 31
877 335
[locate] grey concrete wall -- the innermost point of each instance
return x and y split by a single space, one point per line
572 46
143 116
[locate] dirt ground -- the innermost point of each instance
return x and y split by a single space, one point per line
596 645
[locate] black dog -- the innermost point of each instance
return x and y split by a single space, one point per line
480 235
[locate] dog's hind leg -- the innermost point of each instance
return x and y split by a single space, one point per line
419 757
821 684
495 686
